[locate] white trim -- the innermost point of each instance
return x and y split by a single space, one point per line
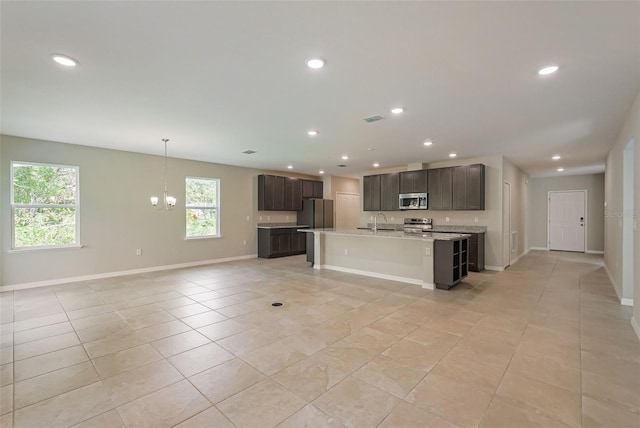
494 268
615 286
58 281
626 302
636 326
413 281
519 257
594 252
539 248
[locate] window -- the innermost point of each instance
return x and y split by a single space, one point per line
202 201
44 205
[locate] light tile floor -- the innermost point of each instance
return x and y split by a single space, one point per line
543 344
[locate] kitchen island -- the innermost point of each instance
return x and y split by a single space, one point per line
393 255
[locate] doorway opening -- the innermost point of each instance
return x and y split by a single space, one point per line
506 224
627 219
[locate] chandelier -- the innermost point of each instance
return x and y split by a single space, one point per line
168 202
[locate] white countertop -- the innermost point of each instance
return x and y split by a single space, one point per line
397 234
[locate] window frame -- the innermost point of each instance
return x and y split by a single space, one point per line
14 205
216 208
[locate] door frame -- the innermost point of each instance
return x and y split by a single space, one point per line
586 216
506 212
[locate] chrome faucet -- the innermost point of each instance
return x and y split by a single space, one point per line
375 220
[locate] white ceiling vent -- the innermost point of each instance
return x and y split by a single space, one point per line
341 166
374 118
249 152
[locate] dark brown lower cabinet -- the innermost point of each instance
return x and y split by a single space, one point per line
476 252
280 242
450 262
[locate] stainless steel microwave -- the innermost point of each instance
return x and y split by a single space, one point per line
414 201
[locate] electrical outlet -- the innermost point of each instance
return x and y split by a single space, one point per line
475 219
371 218
392 218
139 252
446 219
244 242
346 252
427 251
286 217
260 218
249 217
268 217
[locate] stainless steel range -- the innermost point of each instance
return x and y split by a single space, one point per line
418 225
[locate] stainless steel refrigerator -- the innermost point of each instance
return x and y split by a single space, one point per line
317 213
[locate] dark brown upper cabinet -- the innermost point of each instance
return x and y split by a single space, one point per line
468 187
312 189
389 190
414 181
371 190
271 190
292 194
381 192
440 185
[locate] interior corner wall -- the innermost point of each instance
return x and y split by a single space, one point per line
630 130
519 182
116 217
343 185
540 188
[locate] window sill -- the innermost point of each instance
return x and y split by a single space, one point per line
197 238
37 249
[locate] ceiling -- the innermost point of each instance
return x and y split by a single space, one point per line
218 78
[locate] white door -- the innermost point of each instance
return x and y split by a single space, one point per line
506 224
347 209
567 221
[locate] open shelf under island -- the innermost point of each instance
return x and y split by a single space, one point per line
393 255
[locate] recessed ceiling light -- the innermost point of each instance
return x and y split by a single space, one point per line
560 169
452 155
428 143
548 70
345 157
67 61
555 157
397 110
375 165
321 172
315 63
290 166
312 133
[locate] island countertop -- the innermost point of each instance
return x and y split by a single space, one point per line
281 226
427 236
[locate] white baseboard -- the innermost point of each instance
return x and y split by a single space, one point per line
379 275
626 302
594 252
519 257
636 326
539 248
494 268
67 280
615 286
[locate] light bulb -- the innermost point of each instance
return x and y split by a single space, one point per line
154 201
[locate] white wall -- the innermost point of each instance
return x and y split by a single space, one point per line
540 188
613 243
116 217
